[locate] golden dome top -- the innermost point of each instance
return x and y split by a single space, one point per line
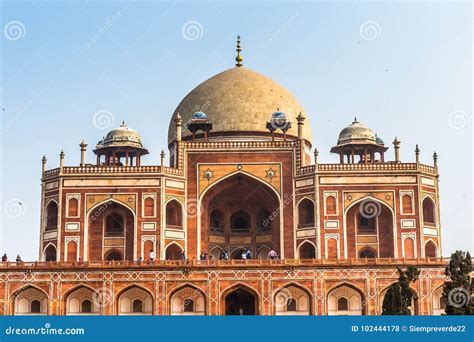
239 101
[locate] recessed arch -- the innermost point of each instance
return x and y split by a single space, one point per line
306 250
173 251
219 195
51 215
414 308
429 210
94 230
29 300
292 299
187 299
174 214
50 252
240 299
130 293
431 249
353 294
386 227
367 252
73 299
305 210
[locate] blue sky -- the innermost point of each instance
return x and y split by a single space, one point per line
404 69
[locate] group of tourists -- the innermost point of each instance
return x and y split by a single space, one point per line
5 258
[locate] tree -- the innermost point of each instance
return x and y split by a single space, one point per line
457 292
399 296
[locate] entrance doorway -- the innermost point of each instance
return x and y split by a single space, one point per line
240 302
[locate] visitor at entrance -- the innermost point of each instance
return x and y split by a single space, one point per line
222 255
183 255
152 255
248 254
4 258
18 258
244 255
273 255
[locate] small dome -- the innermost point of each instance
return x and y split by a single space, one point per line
199 116
121 136
279 115
356 133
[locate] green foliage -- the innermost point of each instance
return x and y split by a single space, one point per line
457 292
399 296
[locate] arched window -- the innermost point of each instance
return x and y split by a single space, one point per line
331 208
240 221
305 214
50 253
367 252
367 225
149 207
428 211
137 306
216 221
430 250
86 306
52 216
35 306
291 304
331 245
113 255
407 204
188 305
342 304
409 247
264 222
73 207
307 251
114 225
174 215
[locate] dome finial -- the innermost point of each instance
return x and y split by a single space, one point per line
355 119
239 58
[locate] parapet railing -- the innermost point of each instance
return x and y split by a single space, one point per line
377 167
113 169
239 144
223 263
303 170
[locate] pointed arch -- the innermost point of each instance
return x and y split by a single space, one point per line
429 210
187 299
305 209
353 294
285 297
49 252
262 252
431 249
253 306
385 250
128 294
130 249
267 189
174 214
74 297
173 251
29 300
414 308
306 250
51 215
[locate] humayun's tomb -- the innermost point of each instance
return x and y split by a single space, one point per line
241 177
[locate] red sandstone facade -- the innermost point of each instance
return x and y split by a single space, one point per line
340 230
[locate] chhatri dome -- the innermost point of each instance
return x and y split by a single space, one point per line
239 102
356 133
